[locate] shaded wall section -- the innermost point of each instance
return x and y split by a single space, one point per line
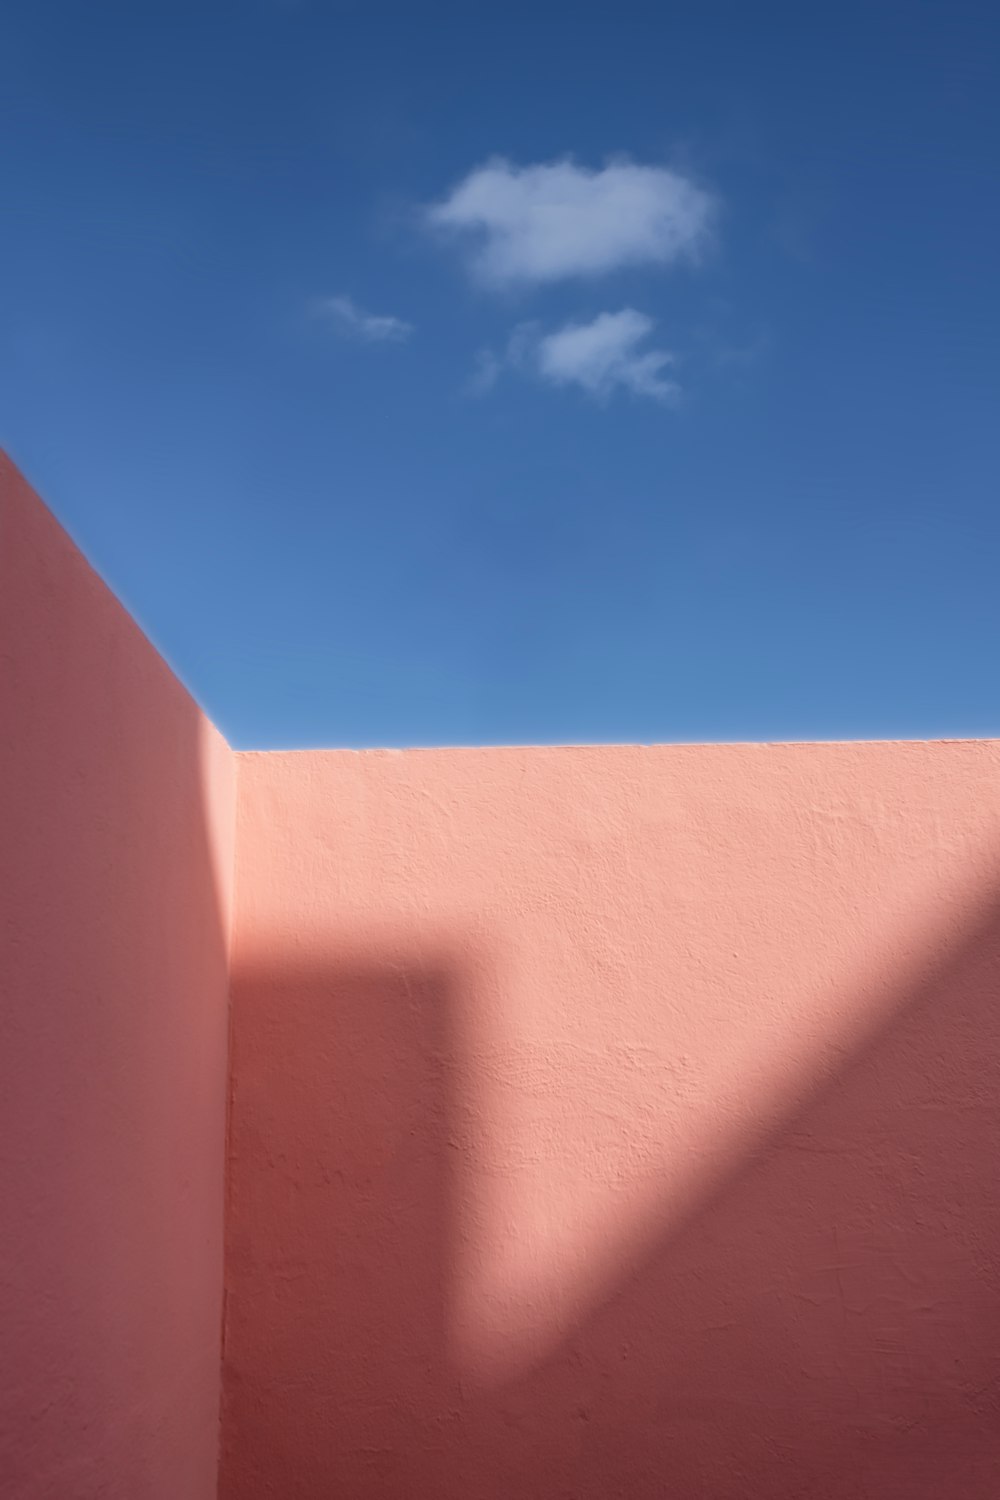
116 811
616 1121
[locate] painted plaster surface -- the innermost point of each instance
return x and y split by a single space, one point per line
116 827
616 1122
609 1122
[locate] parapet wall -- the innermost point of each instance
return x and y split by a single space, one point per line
117 802
616 1121
603 1121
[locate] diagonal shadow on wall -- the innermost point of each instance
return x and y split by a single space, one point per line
822 1322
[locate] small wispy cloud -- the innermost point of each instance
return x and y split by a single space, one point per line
344 314
599 357
554 220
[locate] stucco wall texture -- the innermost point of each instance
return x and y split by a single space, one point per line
616 1122
117 802
612 1121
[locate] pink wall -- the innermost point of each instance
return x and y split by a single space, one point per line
116 825
609 1121
616 1122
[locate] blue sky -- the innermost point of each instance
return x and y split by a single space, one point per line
549 372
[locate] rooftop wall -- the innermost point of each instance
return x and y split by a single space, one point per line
616 1121
116 828
604 1121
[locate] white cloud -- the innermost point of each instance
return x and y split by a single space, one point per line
348 318
554 220
600 357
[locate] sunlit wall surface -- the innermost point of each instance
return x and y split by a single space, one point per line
603 1122
616 1121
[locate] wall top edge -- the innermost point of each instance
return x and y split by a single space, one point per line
587 745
